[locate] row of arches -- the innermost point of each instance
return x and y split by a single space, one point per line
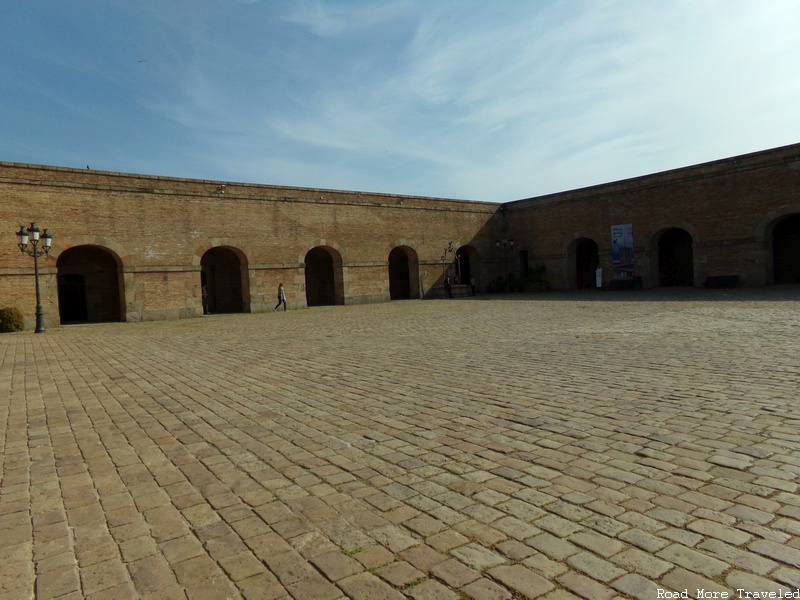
90 282
673 250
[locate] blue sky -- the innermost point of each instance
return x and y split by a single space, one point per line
490 100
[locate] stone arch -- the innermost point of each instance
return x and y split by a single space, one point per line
90 284
403 273
324 276
778 236
673 259
224 280
583 258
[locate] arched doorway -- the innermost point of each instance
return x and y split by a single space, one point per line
675 258
403 273
786 250
466 264
89 286
324 285
587 259
221 279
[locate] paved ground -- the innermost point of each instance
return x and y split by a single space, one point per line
599 446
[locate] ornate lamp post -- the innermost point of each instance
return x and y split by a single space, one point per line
444 257
35 251
505 244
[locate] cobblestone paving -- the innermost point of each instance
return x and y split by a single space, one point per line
593 446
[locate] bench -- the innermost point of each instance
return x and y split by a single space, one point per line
721 281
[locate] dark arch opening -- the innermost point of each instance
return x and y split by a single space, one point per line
399 275
323 277
464 270
221 280
786 250
587 259
89 286
675 258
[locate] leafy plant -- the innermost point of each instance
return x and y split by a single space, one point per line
11 319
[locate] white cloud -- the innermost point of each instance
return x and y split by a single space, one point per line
482 100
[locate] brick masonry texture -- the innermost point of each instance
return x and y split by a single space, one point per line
158 229
518 447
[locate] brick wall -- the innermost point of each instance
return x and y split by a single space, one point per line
158 229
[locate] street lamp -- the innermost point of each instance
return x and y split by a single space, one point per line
444 257
32 233
505 244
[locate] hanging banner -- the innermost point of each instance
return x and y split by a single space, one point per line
622 256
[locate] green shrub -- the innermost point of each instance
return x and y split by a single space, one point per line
11 319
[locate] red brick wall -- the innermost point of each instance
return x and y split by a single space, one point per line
157 229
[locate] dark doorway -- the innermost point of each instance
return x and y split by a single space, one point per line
323 277
221 276
72 298
399 275
523 263
675 258
89 286
587 259
463 265
786 250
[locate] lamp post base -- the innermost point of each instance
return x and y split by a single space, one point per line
40 320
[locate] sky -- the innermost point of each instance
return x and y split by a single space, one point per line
491 100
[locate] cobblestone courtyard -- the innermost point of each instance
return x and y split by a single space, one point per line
595 446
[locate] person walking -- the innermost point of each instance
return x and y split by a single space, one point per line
281 298
448 286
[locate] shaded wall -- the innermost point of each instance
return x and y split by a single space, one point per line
728 207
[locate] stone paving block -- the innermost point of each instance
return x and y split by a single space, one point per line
151 574
486 589
336 565
600 544
431 590
521 580
102 575
366 586
584 587
400 574
778 552
262 587
195 570
721 532
393 537
643 563
693 560
637 587
373 556
423 557
55 582
594 567
454 573
747 581
241 566
477 556
680 579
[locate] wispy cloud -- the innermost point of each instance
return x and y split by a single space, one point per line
472 99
